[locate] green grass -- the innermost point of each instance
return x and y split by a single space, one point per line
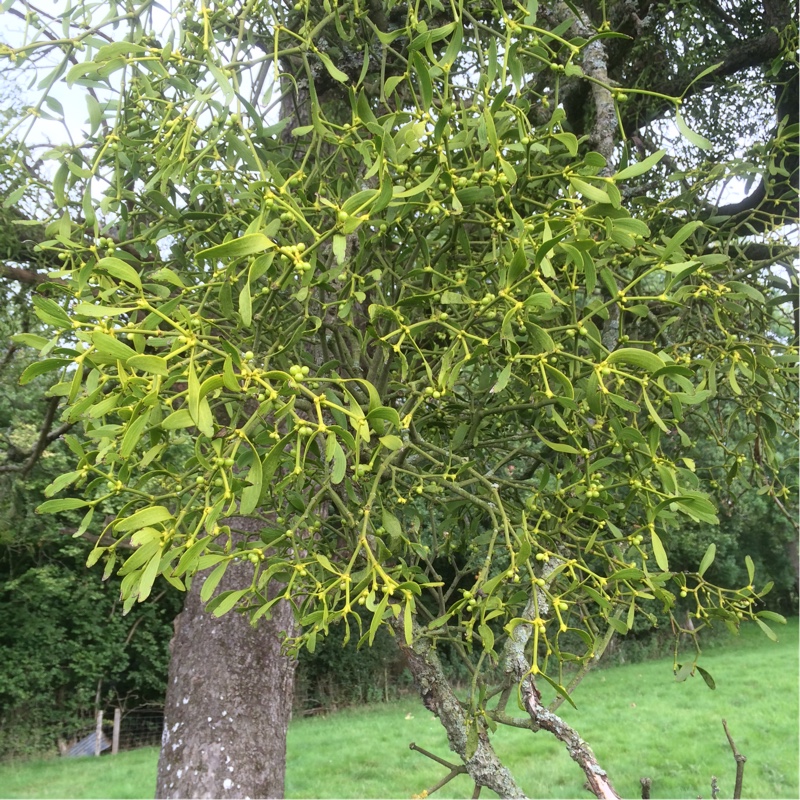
128 775
637 719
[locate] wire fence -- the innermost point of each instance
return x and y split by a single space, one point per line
138 727
141 727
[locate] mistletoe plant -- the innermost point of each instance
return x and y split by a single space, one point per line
351 266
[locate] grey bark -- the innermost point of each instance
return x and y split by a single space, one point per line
228 703
483 766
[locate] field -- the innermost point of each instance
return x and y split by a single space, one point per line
639 721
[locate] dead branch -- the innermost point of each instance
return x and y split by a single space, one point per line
740 759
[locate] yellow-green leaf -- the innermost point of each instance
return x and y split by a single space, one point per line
119 269
155 365
144 517
236 248
659 552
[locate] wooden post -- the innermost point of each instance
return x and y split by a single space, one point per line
98 733
115 735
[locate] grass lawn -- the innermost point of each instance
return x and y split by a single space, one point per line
637 719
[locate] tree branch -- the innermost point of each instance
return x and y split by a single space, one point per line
483 766
26 276
750 53
580 752
740 759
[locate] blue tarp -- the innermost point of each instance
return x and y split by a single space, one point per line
85 747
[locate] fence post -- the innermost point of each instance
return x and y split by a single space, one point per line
98 733
115 736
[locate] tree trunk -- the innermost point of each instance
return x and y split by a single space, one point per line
229 701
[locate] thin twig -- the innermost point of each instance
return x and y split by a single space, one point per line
436 758
740 759
455 769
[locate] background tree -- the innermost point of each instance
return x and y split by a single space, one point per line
437 333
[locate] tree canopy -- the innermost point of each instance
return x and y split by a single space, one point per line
444 295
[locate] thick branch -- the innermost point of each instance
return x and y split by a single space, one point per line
595 65
27 276
484 767
749 53
580 752
46 437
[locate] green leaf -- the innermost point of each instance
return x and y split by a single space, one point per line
133 433
767 630
391 523
659 552
155 365
212 580
560 689
190 556
119 269
333 71
472 739
225 601
408 623
589 191
602 601
193 393
178 419
51 313
679 238
695 138
487 637
246 305
229 376
635 357
109 346
502 379
772 616
708 559
384 413
205 419
252 494
684 671
419 188
557 446
634 170
707 678
627 574
41 367
339 247
148 576
143 518
64 504
618 625
424 78
59 184
391 442
696 506
29 340
97 311
339 468
236 248
62 481
751 568
377 618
